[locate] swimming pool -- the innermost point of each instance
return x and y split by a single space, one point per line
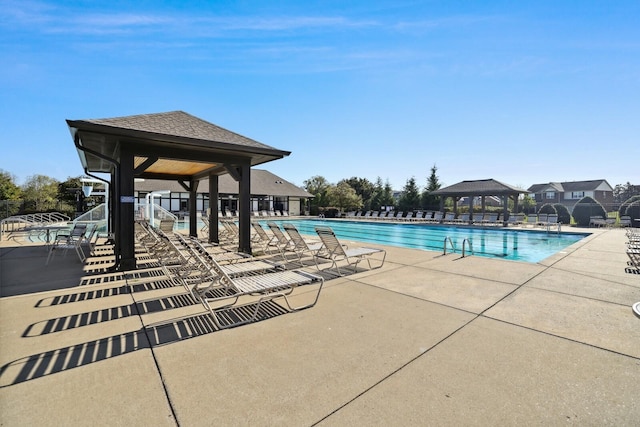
517 245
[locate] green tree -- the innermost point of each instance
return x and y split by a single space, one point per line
41 192
387 195
8 188
378 193
623 192
343 197
410 197
364 188
318 186
527 204
433 183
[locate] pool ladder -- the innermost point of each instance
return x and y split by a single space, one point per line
444 245
464 244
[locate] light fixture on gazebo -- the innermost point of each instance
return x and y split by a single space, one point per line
87 189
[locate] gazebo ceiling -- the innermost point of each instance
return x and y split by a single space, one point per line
174 167
166 145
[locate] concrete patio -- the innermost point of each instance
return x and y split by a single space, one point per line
425 340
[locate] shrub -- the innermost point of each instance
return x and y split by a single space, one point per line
626 203
585 208
633 210
564 216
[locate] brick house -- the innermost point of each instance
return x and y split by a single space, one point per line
568 193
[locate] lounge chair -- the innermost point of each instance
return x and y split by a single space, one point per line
283 244
437 217
516 219
264 287
300 245
336 252
625 221
449 217
597 221
261 238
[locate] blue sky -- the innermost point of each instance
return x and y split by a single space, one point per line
524 92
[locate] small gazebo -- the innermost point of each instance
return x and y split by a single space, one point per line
170 146
480 188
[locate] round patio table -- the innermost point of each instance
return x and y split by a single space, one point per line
636 309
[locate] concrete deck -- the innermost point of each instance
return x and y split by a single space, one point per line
425 340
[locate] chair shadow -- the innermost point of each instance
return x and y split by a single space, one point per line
62 359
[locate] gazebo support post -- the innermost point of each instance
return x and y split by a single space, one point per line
193 214
244 209
213 209
125 243
505 210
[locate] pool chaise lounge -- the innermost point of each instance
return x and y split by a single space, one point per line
336 252
300 245
257 289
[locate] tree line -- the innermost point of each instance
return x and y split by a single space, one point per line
41 193
361 194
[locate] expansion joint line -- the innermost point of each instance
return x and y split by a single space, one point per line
392 373
155 360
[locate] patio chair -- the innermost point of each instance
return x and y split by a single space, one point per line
300 245
336 252
264 287
73 241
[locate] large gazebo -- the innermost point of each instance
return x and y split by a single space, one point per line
480 188
170 146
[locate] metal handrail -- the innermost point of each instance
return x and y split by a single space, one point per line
444 245
464 244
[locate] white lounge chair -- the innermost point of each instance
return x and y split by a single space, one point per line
300 245
336 252
264 287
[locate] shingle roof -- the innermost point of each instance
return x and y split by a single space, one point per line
180 124
486 187
262 183
569 186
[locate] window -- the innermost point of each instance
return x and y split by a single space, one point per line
550 195
577 194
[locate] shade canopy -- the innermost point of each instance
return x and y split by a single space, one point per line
482 187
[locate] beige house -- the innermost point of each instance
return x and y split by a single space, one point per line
269 192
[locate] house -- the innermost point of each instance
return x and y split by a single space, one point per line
269 192
568 193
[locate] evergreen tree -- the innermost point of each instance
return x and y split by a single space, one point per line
410 197
429 201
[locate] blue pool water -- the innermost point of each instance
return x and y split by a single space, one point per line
518 245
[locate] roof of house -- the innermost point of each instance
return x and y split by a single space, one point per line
569 186
481 187
262 183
